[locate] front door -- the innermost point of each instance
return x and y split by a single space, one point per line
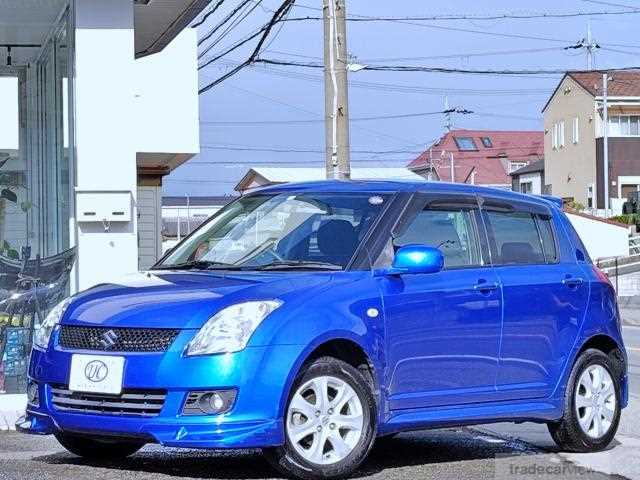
442 329
545 297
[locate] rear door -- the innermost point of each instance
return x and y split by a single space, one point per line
545 294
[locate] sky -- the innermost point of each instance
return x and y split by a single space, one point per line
273 115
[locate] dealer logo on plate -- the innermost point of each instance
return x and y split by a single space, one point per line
96 371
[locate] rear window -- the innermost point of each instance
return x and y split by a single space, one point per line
522 238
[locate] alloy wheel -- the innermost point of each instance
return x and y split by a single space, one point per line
324 420
595 401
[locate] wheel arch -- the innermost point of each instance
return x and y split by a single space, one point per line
610 347
342 345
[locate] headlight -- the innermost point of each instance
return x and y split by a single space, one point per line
43 331
230 329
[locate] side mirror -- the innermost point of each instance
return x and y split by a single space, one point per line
416 259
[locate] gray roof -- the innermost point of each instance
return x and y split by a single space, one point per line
537 166
213 201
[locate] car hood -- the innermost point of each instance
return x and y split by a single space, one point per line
169 299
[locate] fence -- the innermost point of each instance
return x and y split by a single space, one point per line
634 245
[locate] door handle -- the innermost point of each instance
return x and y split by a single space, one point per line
572 282
486 286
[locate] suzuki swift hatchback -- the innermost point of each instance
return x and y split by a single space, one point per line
309 319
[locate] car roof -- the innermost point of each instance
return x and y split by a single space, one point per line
394 186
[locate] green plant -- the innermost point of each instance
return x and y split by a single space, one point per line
575 205
627 219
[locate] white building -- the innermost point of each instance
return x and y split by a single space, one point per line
98 101
263 176
182 215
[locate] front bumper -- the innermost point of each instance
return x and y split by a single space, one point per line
261 376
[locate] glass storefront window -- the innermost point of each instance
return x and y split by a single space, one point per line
35 192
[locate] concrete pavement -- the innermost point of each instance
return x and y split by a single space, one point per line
484 452
437 454
623 457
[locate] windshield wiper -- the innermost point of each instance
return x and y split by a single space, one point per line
200 265
299 264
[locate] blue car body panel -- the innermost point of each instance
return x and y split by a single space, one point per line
455 347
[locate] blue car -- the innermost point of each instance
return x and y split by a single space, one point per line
310 319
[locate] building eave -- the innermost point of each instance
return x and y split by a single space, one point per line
152 33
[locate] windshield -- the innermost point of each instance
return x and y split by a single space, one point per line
273 231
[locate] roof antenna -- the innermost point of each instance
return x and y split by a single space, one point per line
447 114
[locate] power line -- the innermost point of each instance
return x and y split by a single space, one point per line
427 69
320 150
402 20
375 133
208 14
224 21
278 15
222 35
419 68
320 120
480 17
401 88
465 55
611 4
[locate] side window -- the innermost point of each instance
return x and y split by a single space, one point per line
521 238
548 240
449 230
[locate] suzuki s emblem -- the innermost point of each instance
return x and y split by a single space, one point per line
108 339
96 371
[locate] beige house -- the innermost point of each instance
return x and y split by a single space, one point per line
573 145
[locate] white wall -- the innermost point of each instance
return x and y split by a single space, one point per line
166 98
536 182
105 133
601 239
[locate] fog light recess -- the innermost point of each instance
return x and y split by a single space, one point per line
33 394
212 402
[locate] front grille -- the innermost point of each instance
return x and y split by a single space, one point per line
106 339
142 403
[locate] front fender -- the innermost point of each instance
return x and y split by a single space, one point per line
349 308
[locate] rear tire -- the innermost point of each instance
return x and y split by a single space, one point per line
337 432
93 448
591 406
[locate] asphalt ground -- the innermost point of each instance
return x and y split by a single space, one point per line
481 452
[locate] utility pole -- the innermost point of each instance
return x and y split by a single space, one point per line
188 215
605 140
590 47
453 168
430 177
336 90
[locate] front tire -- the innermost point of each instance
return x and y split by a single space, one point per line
97 448
330 422
592 405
